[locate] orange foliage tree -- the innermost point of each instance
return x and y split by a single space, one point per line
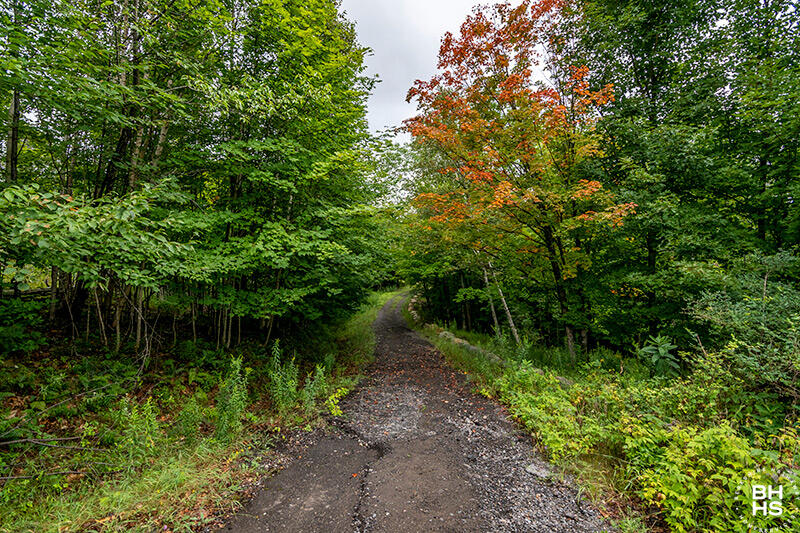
514 122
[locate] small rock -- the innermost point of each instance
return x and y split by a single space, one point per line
565 383
537 470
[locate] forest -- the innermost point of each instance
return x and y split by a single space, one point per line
197 229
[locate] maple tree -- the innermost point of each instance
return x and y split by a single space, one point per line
514 124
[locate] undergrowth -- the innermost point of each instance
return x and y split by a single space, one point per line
681 451
96 446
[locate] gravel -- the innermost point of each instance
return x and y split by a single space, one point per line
417 450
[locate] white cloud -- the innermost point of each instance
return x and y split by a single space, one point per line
405 36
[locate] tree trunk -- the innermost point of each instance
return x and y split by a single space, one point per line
138 306
505 306
269 329
194 322
218 324
570 343
224 323
88 319
230 329
113 164
53 294
118 325
491 302
162 133
463 310
12 146
79 297
135 158
72 161
100 318
74 332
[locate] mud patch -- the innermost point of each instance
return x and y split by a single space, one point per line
317 492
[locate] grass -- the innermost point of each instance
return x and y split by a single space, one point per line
178 490
175 484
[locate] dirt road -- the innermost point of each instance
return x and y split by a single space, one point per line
416 451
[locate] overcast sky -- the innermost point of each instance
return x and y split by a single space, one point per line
404 36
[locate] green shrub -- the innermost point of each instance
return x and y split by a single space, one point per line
19 324
755 324
538 401
702 479
657 354
231 402
140 430
332 403
187 423
692 447
314 387
283 380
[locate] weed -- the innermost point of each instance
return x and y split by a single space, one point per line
658 354
140 432
231 402
631 524
283 380
187 423
332 403
329 362
314 387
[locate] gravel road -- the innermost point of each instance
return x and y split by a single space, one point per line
415 451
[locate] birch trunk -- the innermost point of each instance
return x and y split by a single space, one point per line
12 145
53 294
491 301
570 343
505 306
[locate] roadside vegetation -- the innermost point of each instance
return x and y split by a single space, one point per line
681 452
173 446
